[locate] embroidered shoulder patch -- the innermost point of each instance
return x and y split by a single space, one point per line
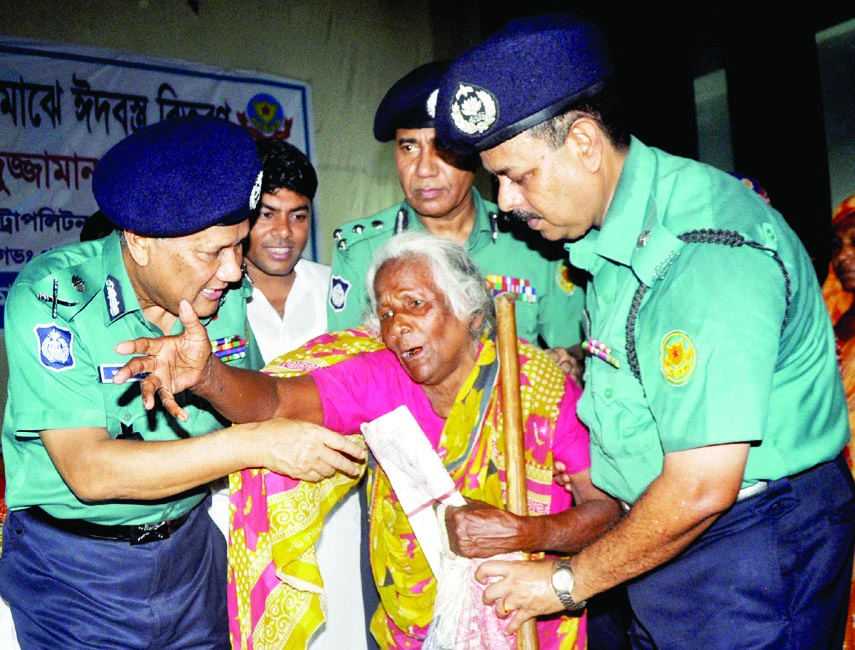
562 273
55 347
677 357
338 293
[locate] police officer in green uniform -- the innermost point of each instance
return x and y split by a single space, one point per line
712 394
106 543
441 199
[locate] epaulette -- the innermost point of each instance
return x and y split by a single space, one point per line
68 290
359 230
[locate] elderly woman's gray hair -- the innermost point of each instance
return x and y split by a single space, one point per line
453 272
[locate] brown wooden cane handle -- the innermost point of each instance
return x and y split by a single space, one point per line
509 369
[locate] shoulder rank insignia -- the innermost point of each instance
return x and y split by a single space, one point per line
678 357
55 347
402 220
338 293
54 300
113 296
520 287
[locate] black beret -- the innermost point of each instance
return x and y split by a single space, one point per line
410 102
530 71
179 176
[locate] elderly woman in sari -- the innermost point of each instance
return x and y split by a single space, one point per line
436 319
839 294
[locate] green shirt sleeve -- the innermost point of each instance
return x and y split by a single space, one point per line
53 379
708 346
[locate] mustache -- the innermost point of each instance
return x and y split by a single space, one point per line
522 215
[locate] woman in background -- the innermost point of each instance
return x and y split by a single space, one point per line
839 294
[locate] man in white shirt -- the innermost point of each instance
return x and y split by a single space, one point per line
287 309
288 306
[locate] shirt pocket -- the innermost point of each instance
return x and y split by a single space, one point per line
625 437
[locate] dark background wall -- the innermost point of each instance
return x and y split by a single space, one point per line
773 89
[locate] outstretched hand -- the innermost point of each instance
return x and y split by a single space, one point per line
170 364
304 451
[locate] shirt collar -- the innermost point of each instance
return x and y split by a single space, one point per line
632 233
625 218
117 291
482 218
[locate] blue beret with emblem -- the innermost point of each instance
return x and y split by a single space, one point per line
410 102
179 176
532 70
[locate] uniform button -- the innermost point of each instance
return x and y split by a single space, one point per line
607 298
608 393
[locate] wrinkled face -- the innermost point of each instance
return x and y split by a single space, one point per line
197 267
280 233
550 189
431 343
435 180
843 252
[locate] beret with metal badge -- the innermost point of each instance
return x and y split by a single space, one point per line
411 101
532 70
179 176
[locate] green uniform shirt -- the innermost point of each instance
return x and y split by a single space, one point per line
723 345
55 383
549 303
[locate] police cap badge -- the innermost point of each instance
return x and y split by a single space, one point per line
532 70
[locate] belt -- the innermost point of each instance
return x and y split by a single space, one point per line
752 490
141 534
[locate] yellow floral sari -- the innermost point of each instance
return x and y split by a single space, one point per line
274 583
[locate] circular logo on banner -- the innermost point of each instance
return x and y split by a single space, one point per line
678 357
265 113
473 109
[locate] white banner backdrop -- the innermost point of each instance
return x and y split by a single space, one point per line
62 107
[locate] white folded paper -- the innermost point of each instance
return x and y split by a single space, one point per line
417 475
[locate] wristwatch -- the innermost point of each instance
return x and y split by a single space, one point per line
563 582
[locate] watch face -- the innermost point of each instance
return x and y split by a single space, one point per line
562 580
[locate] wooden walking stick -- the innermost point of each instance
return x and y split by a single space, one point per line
509 368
